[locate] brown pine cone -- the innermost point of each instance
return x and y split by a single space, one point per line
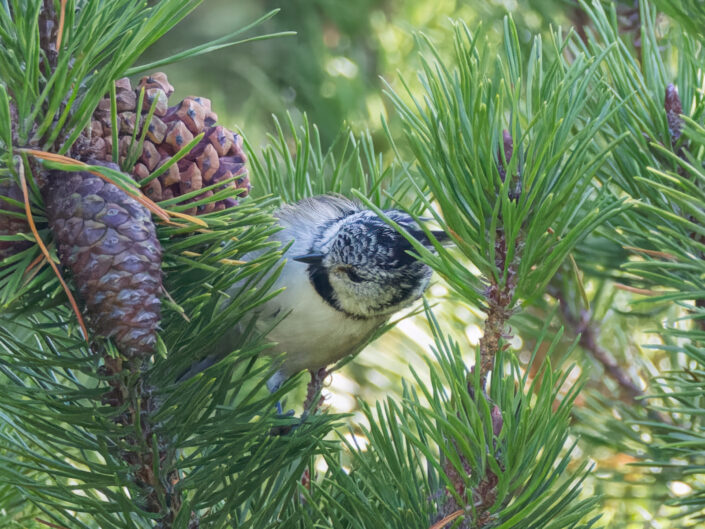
10 225
218 157
108 241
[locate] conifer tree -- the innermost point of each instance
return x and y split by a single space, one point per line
560 171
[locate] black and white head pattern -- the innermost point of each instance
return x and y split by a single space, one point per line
362 266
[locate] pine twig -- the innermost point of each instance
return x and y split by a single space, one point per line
48 25
315 386
585 326
483 495
500 294
499 299
137 398
674 110
589 337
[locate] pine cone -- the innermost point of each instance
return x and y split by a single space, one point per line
674 109
217 157
108 241
10 225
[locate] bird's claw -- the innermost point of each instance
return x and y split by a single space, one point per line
285 429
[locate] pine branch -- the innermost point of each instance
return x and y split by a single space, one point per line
142 448
448 453
584 326
138 398
148 444
153 446
499 300
660 163
500 294
502 192
48 31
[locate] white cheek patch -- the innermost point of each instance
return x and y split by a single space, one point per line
352 297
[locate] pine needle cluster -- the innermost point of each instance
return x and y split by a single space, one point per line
560 171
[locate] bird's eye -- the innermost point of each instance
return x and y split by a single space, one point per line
354 277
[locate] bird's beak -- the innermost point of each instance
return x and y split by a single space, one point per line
310 258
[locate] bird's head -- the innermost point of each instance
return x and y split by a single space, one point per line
361 266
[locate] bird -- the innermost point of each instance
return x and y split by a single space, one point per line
347 271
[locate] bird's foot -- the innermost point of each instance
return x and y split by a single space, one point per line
290 425
311 404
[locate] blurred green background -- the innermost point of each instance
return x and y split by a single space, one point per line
334 70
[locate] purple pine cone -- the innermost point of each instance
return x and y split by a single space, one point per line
108 241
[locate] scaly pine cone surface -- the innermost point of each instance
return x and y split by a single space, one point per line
217 158
108 241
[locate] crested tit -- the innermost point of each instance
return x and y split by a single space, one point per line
347 272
